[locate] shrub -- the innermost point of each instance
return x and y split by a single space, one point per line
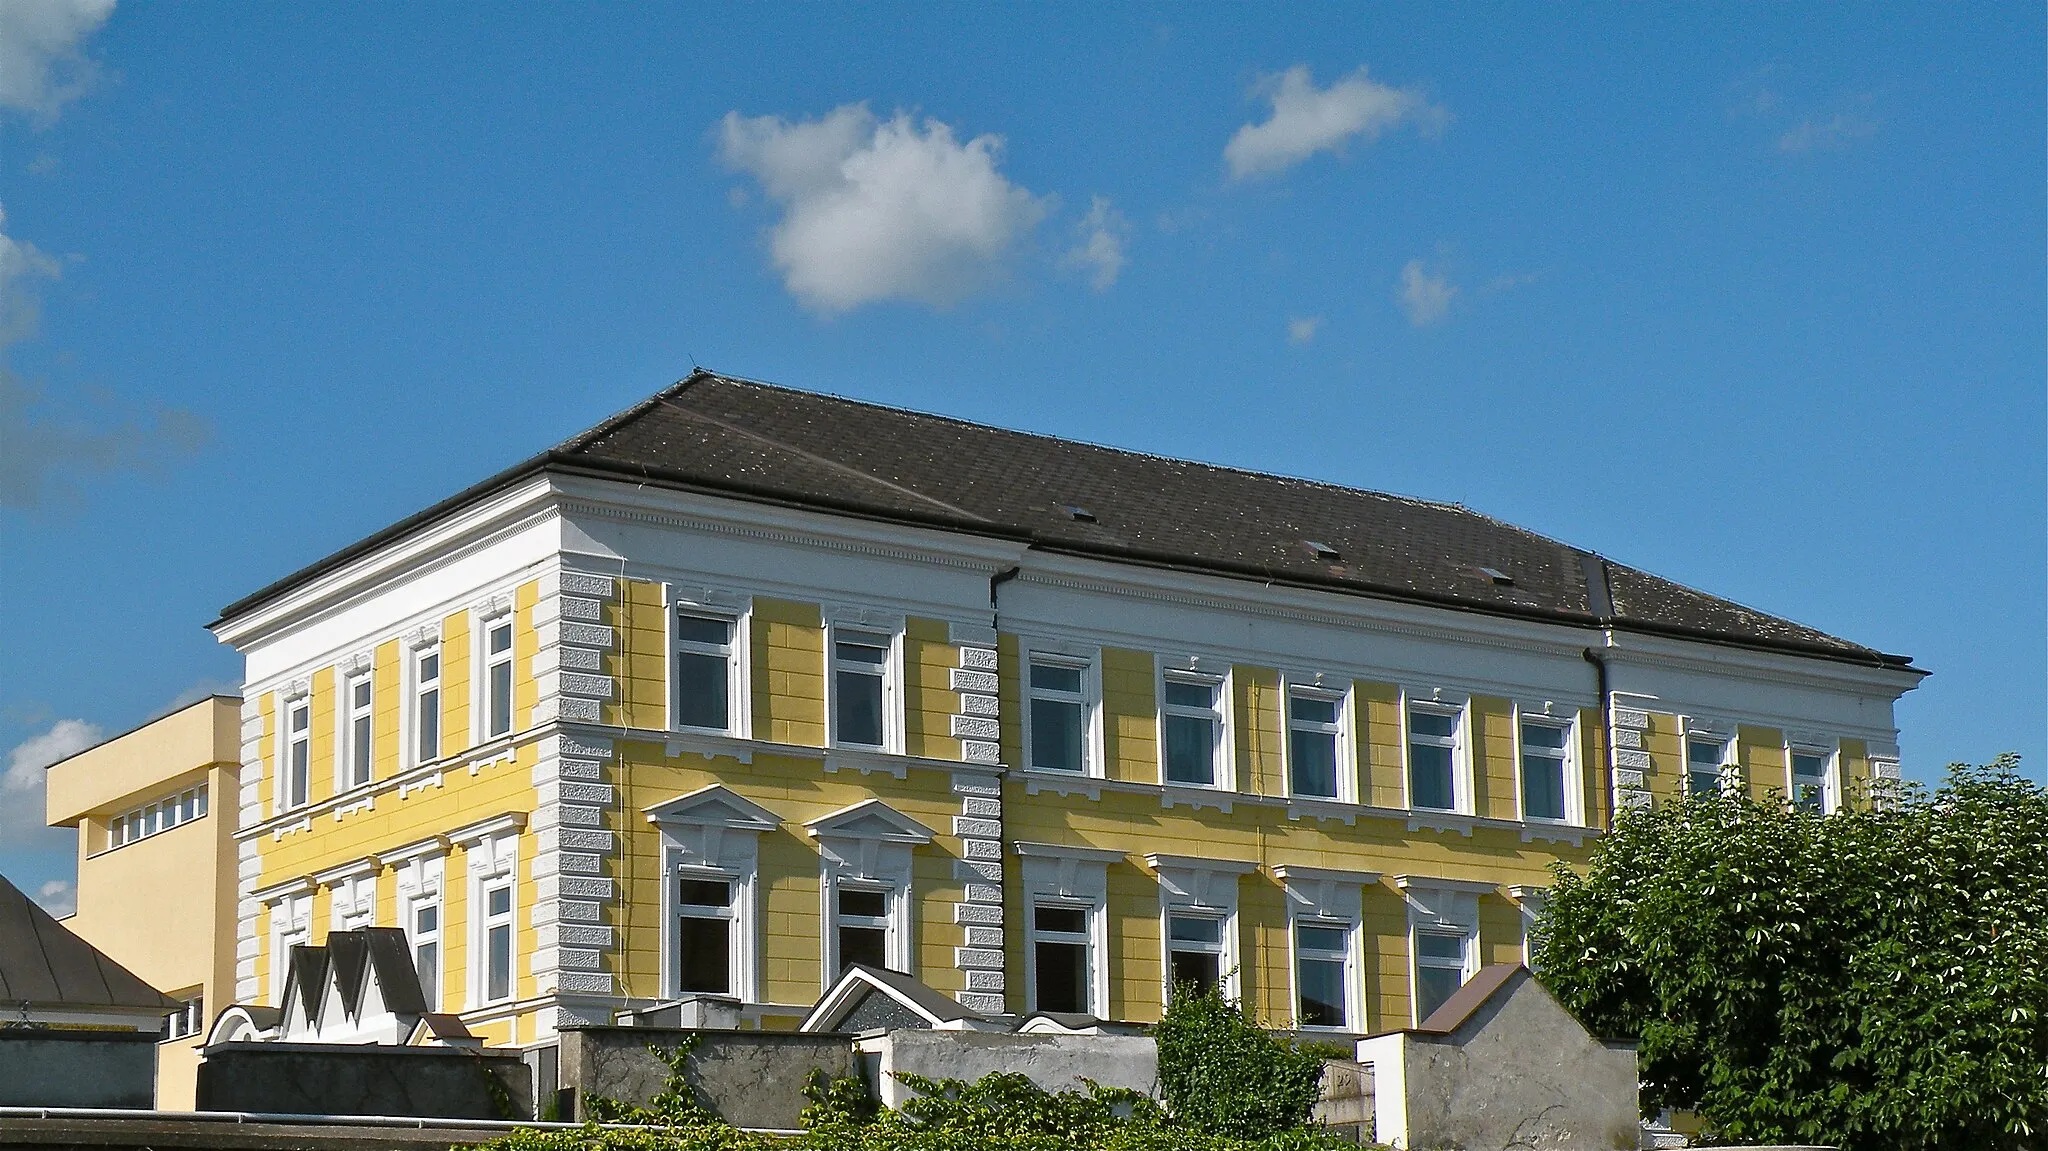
1222 1075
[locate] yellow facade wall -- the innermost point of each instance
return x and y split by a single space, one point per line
929 700
789 672
1377 712
1130 722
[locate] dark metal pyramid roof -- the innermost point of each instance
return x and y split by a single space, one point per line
43 963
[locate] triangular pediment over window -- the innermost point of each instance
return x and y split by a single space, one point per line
871 819
715 806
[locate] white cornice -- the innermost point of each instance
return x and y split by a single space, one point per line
429 547
1434 883
959 548
1289 872
475 833
1721 660
1031 850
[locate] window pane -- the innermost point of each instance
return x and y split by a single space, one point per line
1056 735
426 959
430 725
1432 723
857 705
1312 756
1321 983
299 716
1190 749
499 983
869 945
359 694
1542 787
430 667
1309 709
501 638
360 747
1433 985
500 900
1319 938
1812 766
1073 920
1431 945
1703 782
873 904
1429 777
426 919
700 690
501 698
1543 735
296 792
704 955
1062 976
1199 968
1052 677
869 652
1194 929
706 893
1182 694
697 629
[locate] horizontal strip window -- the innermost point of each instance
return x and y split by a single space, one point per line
163 815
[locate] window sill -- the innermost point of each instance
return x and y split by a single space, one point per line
1037 779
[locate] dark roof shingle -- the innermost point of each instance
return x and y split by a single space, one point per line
757 441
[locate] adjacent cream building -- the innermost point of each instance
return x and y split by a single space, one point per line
156 866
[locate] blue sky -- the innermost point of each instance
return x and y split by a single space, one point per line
1749 296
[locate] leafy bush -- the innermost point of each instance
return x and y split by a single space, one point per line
1221 1074
1872 979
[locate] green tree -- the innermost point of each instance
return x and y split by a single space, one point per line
1876 978
1219 1073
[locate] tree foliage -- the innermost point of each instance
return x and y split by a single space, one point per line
1219 1072
1876 978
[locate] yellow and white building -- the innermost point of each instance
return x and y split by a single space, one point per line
156 866
746 684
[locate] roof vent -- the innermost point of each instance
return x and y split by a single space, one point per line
1323 551
1498 576
1078 512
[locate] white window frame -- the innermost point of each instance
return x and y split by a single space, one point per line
1460 712
416 686
493 861
713 833
172 811
1223 751
1092 938
348 738
1068 876
1722 736
1325 897
485 664
1466 965
421 885
1200 888
291 923
1348 956
738 665
1830 778
1089 698
894 920
892 682
736 915
285 800
188 1020
1346 759
1572 781
1443 907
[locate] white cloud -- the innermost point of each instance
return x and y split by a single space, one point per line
1101 248
21 787
1302 329
21 264
58 897
1307 120
1824 133
1423 295
880 209
41 65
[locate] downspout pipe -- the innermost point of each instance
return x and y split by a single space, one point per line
995 586
1600 601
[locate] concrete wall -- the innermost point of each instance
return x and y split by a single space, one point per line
1521 1074
332 1079
1054 1062
751 1078
41 1068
